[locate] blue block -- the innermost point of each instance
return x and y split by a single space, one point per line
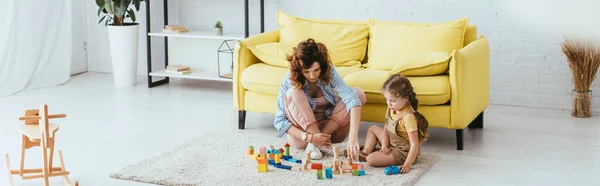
298 161
292 160
328 173
284 167
271 162
361 172
286 157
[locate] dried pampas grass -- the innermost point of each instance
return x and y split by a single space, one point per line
583 58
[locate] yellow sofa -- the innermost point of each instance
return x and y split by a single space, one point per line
446 62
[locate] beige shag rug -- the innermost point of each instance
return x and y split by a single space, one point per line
218 159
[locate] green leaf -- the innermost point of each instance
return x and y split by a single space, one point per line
100 10
137 4
132 14
99 2
110 7
103 17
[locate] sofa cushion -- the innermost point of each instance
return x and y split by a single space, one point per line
423 64
266 79
272 53
430 90
346 40
391 41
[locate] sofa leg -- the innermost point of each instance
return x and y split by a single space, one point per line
477 123
459 139
241 119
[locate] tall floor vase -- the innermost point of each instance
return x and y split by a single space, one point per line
124 53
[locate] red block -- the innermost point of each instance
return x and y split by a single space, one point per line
316 166
281 150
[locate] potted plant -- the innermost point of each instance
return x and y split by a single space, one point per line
123 37
583 57
219 27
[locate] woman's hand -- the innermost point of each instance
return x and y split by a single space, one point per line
404 169
353 148
320 139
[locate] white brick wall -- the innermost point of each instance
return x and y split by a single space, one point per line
527 65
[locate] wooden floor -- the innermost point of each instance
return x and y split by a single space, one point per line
108 128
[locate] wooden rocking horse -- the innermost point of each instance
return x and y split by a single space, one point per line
37 131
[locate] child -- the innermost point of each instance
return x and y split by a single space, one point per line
404 130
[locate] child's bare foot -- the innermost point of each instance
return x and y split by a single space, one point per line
362 155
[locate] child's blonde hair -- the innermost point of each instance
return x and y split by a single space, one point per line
401 87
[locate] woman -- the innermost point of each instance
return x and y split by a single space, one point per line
309 110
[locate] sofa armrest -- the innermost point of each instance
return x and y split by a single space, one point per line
469 72
243 58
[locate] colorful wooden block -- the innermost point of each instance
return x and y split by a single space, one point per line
355 173
263 161
316 166
320 174
277 158
298 161
287 157
263 168
263 151
287 167
287 149
263 165
328 173
359 166
281 151
361 172
336 172
354 166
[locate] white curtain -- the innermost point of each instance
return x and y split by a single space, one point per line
35 44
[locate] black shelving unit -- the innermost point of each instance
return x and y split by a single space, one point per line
221 49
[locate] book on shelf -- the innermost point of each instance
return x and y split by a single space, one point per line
178 67
178 72
175 29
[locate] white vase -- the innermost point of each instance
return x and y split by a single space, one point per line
124 52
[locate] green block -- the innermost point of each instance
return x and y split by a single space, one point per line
320 174
251 148
356 173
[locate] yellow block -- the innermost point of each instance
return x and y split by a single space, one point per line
263 167
277 158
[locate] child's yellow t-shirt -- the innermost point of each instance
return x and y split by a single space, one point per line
408 124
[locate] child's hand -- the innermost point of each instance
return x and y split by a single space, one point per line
385 151
404 169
